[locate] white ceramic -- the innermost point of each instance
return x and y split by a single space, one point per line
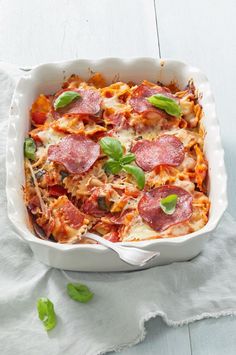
47 78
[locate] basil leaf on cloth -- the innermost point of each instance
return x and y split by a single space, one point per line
79 292
46 313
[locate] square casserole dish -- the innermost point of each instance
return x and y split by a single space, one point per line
47 78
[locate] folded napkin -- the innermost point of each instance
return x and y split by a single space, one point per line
180 293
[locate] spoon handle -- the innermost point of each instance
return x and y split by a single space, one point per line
102 241
130 255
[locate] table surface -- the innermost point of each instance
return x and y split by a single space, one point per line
201 33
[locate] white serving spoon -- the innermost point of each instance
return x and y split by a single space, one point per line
130 255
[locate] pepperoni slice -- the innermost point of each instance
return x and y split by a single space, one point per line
76 152
87 104
73 217
56 190
166 150
112 237
117 120
139 102
120 219
151 212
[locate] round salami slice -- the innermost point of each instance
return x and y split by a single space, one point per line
76 152
139 102
151 212
166 150
72 215
87 104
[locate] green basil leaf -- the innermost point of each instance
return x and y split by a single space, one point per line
79 292
111 147
29 148
165 103
102 205
137 173
40 174
168 204
128 158
63 174
65 99
112 166
46 313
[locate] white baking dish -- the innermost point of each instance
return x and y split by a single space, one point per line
47 78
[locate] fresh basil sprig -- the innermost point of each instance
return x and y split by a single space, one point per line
79 292
168 204
112 166
137 173
111 147
127 159
29 148
46 313
65 99
118 162
165 103
102 204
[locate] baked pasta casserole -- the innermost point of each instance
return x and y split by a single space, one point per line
124 161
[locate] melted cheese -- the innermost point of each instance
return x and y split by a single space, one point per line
140 231
50 136
188 163
114 102
188 138
151 133
185 184
126 137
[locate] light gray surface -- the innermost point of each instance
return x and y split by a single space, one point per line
162 340
202 33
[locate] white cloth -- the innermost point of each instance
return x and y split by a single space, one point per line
123 302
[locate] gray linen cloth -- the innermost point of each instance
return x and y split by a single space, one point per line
180 293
